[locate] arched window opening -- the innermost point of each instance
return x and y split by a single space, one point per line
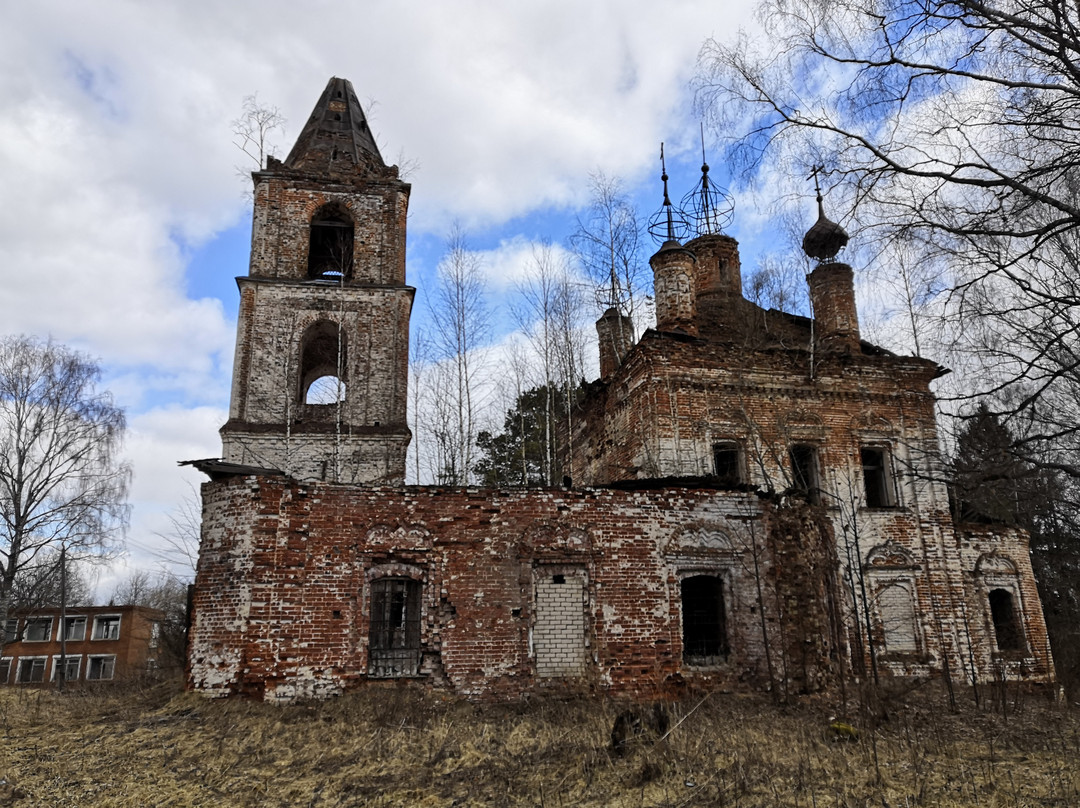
330 249
323 360
704 622
325 390
394 636
1006 625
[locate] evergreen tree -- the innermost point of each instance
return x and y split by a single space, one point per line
519 456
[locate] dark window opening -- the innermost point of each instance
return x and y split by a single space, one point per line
69 670
394 640
728 462
704 624
38 629
323 361
106 628
804 472
31 670
5 670
877 478
330 250
558 579
101 668
1003 613
75 628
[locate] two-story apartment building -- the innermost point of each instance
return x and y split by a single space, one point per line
90 644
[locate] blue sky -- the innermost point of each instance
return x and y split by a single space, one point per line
125 222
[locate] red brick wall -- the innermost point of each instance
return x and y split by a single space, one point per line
282 603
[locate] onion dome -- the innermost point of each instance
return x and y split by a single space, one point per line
826 238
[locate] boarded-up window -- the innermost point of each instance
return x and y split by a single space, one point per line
897 610
704 624
559 633
1006 626
394 639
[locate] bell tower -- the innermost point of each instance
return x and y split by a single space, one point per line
322 343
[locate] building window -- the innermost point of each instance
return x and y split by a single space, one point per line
38 629
1006 625
5 670
11 630
100 668
805 477
70 667
107 627
704 626
394 639
75 629
728 462
877 477
31 669
330 250
323 359
896 608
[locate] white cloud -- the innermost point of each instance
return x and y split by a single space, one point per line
116 157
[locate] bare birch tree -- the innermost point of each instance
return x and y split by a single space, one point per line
63 483
460 328
608 241
253 132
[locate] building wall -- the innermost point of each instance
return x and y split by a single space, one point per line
134 649
283 598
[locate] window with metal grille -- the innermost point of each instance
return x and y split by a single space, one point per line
1003 613
877 478
704 624
394 640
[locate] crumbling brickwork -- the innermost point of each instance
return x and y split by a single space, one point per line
757 501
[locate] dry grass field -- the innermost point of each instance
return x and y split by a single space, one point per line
400 746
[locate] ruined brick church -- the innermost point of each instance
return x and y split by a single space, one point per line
757 498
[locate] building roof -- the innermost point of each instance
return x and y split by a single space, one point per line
336 138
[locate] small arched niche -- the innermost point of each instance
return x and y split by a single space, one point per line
330 246
323 360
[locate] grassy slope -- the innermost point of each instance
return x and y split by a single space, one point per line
398 746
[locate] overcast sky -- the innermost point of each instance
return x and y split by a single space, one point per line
124 221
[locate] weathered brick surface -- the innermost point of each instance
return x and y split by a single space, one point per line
582 589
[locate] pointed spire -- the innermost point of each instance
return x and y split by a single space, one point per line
668 225
336 140
709 208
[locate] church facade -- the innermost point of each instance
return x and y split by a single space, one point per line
757 498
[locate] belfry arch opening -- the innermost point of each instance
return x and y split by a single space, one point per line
330 247
323 359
